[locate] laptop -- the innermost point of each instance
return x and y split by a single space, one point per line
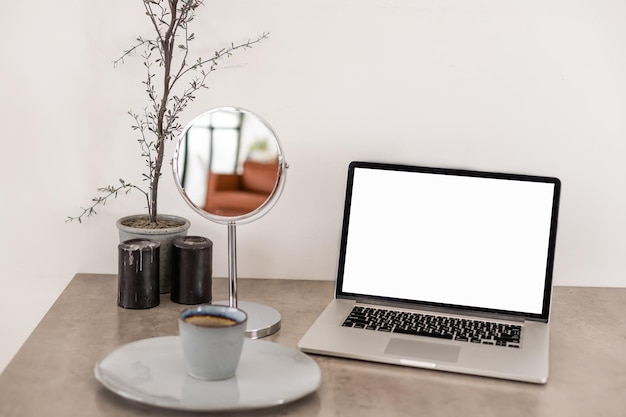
444 269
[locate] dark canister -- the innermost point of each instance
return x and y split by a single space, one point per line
192 270
138 274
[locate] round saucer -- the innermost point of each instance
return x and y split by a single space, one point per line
151 371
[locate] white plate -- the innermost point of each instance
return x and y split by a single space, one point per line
152 371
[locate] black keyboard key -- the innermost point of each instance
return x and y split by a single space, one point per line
416 332
358 321
508 338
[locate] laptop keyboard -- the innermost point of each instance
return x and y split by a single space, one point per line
441 327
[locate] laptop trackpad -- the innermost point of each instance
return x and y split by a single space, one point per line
422 350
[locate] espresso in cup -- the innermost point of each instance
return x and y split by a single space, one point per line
212 339
206 320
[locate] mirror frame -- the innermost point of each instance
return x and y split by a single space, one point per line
267 204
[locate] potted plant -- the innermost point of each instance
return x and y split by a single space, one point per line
172 80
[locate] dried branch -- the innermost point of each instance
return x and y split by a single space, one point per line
108 191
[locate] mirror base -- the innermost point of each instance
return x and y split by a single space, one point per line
263 320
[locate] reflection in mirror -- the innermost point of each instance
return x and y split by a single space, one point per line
229 165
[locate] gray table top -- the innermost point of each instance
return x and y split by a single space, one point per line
53 373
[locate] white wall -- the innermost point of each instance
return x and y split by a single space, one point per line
531 87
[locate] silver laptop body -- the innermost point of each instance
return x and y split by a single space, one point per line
468 247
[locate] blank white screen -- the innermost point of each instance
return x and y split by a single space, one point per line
467 241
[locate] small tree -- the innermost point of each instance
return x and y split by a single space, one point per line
172 80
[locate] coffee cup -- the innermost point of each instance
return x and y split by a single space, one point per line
212 339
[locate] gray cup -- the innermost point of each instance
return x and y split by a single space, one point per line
212 339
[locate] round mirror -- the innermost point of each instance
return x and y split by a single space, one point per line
229 165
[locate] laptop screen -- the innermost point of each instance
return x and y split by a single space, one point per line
451 238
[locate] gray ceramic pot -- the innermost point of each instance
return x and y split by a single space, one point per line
164 236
